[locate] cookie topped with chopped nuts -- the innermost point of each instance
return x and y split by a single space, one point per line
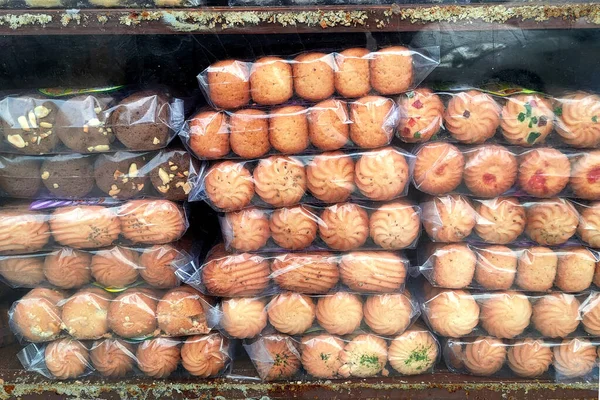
81 124
121 175
68 176
28 124
171 176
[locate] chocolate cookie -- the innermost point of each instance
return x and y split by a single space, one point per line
170 176
70 176
120 175
140 121
81 124
20 176
28 124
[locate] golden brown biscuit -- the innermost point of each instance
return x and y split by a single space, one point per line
381 174
68 268
421 115
305 273
364 347
352 74
228 83
537 269
209 134
453 266
243 318
205 355
313 76
527 119
246 230
585 176
339 313
578 119
395 226
329 125
413 352
472 117
236 275
152 221
271 81
249 137
84 314
490 170
556 314
505 314
590 314
280 180
279 358
112 357
158 264
158 358
529 358
229 185
116 267
452 313
551 222
496 267
576 266
181 312
589 224
37 316
370 271
448 218
543 172
66 358
373 119
293 228
22 231
291 313
344 226
574 357
500 220
391 70
321 355
389 314
330 177
438 168
133 313
484 356
22 271
85 226
288 129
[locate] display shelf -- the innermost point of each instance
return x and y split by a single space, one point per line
299 19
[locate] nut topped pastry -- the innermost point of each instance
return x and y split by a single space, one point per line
578 121
68 176
527 119
171 177
330 177
181 312
132 314
438 168
36 316
472 117
280 180
118 175
381 174
85 314
229 185
543 172
421 115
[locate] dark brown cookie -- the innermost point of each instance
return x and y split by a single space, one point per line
69 176
28 124
140 121
81 124
20 176
121 175
171 174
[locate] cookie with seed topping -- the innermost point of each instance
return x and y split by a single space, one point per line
121 175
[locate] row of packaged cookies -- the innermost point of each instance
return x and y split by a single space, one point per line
169 174
53 121
341 227
113 268
504 220
44 225
498 267
359 355
367 122
226 274
282 181
199 356
491 170
508 314
526 358
316 76
526 119
45 314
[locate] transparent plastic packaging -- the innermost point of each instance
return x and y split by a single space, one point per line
92 313
341 227
498 267
339 313
199 356
225 274
296 128
562 361
459 313
114 269
492 170
167 174
55 121
52 224
316 76
361 354
282 181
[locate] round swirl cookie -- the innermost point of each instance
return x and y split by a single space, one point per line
578 119
293 228
273 348
364 347
243 317
280 181
551 222
205 355
505 314
344 226
330 177
229 185
543 172
490 170
500 220
527 119
448 218
66 358
529 358
484 356
379 309
395 226
574 358
22 271
158 358
413 352
556 315
589 224
381 174
246 230
339 313
439 168
472 117
452 313
421 115
291 313
112 357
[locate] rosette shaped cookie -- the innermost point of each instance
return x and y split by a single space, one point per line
589 225
439 168
527 119
23 231
413 352
330 177
448 218
229 185
293 228
246 230
574 358
280 180
277 357
389 314
556 315
364 356
505 314
490 170
472 117
421 115
344 226
205 355
529 358
321 355
453 313
244 317
543 172
578 119
339 313
66 358
484 356
112 357
291 313
551 222
158 358
381 174
395 226
68 268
